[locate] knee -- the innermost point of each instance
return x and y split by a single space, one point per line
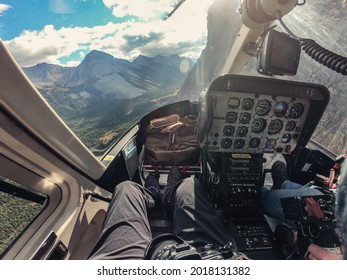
187 187
126 188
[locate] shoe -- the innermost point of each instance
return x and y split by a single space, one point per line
174 176
152 185
279 174
173 179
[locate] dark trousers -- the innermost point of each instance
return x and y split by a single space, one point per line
126 231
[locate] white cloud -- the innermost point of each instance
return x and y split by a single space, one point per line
50 44
72 63
184 34
144 9
4 8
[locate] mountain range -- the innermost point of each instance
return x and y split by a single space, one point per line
103 96
102 75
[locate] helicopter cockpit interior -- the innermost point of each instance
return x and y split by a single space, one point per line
241 119
242 123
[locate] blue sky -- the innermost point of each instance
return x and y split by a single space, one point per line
64 31
34 15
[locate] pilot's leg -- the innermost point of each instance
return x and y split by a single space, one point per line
194 219
126 231
289 185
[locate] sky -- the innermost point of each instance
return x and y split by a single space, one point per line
63 31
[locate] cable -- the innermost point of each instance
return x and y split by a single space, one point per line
328 58
323 56
302 3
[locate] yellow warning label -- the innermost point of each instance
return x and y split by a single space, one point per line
108 158
241 156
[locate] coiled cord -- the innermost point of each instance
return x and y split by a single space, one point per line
328 58
323 56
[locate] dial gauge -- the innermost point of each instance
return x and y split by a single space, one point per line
231 117
280 108
290 125
286 138
226 143
228 130
296 110
254 142
245 118
275 126
263 107
233 103
258 125
242 131
270 143
247 104
239 143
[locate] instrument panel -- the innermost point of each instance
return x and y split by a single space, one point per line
244 114
255 123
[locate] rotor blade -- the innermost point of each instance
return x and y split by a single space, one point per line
175 8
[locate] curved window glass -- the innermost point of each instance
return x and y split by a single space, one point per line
19 206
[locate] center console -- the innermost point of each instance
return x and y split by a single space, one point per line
238 191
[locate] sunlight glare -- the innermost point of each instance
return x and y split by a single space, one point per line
184 66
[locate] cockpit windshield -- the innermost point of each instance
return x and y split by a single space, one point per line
103 65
